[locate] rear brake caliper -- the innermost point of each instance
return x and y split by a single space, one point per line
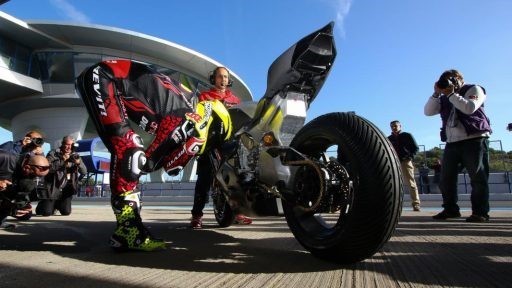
338 188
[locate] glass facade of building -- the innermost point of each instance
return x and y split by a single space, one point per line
62 67
17 57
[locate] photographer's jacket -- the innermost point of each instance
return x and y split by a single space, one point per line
63 175
461 112
7 165
12 147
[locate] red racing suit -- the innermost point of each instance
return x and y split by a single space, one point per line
117 92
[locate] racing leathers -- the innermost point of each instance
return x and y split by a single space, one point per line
117 92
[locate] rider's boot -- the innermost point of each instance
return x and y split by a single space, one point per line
130 233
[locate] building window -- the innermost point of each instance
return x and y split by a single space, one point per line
56 67
84 60
7 52
14 56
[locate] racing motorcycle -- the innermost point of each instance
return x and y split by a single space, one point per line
337 177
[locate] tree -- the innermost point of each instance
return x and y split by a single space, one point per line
499 161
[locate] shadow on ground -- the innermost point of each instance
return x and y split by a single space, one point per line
452 253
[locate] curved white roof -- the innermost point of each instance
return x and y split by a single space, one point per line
156 50
21 93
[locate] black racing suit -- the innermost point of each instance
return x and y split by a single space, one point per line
117 91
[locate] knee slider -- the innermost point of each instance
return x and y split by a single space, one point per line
135 164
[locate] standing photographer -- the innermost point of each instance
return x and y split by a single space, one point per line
466 130
66 169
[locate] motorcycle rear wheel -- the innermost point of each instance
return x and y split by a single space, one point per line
368 216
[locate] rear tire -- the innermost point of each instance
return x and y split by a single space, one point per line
368 216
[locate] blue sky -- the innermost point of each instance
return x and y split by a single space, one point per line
389 52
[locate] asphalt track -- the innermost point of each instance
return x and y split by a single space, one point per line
72 251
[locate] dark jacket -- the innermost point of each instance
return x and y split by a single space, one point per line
57 180
7 165
404 144
12 147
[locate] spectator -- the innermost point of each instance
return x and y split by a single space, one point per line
406 147
66 170
219 78
89 190
424 181
136 92
466 130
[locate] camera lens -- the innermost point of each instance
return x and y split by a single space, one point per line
443 83
75 156
38 141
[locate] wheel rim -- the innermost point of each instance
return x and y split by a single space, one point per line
336 203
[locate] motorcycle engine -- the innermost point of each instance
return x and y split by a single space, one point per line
248 153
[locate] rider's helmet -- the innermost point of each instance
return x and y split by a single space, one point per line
215 125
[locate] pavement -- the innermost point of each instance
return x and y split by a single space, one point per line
72 251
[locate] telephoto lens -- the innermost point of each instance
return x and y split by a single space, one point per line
74 156
443 83
38 141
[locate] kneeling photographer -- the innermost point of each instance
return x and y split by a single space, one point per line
14 174
24 179
66 170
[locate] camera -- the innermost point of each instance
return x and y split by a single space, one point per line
444 83
27 190
74 156
37 142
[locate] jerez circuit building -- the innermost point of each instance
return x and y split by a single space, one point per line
39 62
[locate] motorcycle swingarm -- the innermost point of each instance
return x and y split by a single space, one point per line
290 157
